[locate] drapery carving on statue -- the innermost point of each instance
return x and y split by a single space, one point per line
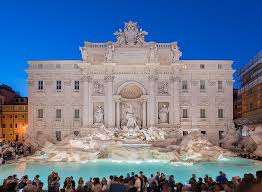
176 53
163 114
153 54
99 114
131 91
131 36
109 53
84 53
98 88
130 117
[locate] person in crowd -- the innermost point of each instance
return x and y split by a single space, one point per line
104 185
80 185
137 183
97 187
171 183
192 179
221 178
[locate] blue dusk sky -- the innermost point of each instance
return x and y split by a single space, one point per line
54 29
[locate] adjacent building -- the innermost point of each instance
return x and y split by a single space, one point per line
249 101
13 115
130 84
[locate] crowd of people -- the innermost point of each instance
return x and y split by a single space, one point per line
136 183
250 156
13 150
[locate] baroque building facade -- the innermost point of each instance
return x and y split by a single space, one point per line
130 84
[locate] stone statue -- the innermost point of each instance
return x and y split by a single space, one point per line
84 53
163 114
98 88
176 53
131 120
109 53
99 114
152 55
131 36
120 37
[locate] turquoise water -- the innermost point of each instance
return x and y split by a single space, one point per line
101 168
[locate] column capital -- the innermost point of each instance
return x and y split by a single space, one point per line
174 79
86 78
152 78
109 78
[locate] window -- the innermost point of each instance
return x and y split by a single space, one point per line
3 125
40 113
203 132
220 135
202 85
76 85
16 137
185 114
11 125
23 116
3 135
58 85
16 125
58 113
3 116
11 116
220 113
219 66
76 114
15 116
184 85
58 135
40 85
202 113
185 133
202 66
219 85
76 133
58 66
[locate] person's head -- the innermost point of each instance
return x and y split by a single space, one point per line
259 176
136 176
14 176
194 175
171 178
37 176
141 172
152 175
220 173
200 179
158 173
132 173
111 177
71 178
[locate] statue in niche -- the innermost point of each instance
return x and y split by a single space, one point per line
99 114
84 53
163 88
109 53
120 37
130 118
98 88
163 114
176 53
152 55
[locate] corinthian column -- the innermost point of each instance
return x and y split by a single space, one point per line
176 99
109 100
151 102
86 100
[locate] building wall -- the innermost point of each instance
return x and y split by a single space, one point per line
67 99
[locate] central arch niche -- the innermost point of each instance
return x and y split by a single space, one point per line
131 91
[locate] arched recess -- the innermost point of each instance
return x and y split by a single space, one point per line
131 90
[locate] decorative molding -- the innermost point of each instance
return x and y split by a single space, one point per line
152 78
109 78
86 78
211 83
67 82
174 79
162 87
194 82
48 82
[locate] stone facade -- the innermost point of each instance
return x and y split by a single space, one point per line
130 83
